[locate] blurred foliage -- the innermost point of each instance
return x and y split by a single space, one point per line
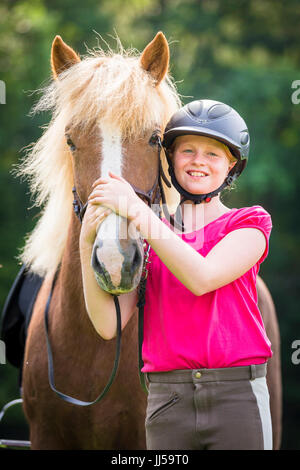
245 53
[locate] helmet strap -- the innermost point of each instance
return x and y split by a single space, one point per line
195 198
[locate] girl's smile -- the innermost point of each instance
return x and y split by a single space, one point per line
197 174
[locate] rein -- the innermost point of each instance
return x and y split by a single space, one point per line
67 398
153 196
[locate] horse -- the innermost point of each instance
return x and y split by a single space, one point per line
106 107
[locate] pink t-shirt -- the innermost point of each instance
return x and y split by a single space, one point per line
222 328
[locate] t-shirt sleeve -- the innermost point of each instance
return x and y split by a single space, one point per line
252 217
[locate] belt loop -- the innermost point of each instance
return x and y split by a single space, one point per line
253 372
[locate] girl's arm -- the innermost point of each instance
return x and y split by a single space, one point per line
232 257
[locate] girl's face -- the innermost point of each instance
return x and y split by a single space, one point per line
200 163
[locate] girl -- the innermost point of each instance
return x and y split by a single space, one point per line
205 348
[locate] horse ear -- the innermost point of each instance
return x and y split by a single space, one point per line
155 57
62 56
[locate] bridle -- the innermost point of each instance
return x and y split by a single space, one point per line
152 198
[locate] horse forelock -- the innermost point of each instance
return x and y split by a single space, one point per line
105 87
114 89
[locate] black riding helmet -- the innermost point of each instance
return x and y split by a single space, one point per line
211 119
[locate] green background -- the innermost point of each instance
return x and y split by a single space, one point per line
245 53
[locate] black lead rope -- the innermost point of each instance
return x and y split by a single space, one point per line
67 398
141 304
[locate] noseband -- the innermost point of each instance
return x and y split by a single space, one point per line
152 198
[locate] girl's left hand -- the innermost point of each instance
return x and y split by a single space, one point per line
115 193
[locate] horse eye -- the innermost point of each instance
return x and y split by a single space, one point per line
154 139
71 144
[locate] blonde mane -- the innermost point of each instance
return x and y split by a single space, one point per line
109 86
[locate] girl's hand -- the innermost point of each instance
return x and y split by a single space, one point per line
93 217
116 194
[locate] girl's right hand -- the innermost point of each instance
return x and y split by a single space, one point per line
93 217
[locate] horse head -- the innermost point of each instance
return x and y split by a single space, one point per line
117 107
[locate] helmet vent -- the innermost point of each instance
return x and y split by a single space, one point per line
195 108
218 110
244 139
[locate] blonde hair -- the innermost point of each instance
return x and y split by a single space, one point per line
229 154
106 85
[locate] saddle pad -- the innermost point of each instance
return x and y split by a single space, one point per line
17 313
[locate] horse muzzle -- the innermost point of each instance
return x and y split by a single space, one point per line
117 259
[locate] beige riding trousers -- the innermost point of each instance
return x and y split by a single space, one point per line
209 409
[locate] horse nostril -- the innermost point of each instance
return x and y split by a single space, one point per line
95 262
137 259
